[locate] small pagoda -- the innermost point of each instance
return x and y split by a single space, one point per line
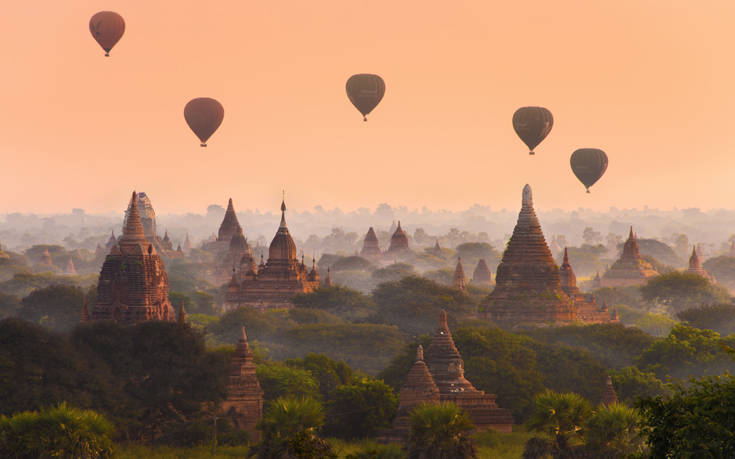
609 396
419 388
695 266
630 269
459 280
585 305
244 403
370 245
398 242
481 276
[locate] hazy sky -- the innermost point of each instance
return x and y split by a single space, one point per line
650 82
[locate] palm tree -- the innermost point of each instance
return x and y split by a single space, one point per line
561 417
614 431
440 432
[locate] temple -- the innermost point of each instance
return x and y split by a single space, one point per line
244 403
371 245
630 269
133 284
418 388
228 228
481 277
447 369
3 255
275 282
70 268
459 280
528 283
147 215
328 280
609 396
187 243
46 259
695 266
398 242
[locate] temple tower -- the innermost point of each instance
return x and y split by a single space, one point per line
566 276
695 266
70 268
608 395
328 281
133 284
46 259
229 226
398 241
371 245
459 279
481 276
244 403
418 388
630 269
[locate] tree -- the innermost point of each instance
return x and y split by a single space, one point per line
61 431
328 373
722 268
659 251
290 427
632 384
393 273
440 431
58 307
9 305
278 380
718 317
696 420
678 291
360 409
561 417
341 301
614 431
471 252
591 236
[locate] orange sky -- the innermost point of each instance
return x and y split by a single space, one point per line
650 82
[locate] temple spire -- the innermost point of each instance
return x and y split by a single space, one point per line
283 212
133 230
182 314
420 353
609 396
85 313
459 278
443 320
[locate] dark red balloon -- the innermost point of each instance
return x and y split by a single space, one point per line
588 164
365 91
532 124
107 27
204 115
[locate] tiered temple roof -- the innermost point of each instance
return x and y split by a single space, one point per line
566 276
447 368
277 281
133 284
630 269
398 241
418 388
166 243
229 226
371 245
481 276
608 395
459 279
244 403
695 266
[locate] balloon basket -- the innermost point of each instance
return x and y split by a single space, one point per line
531 152
202 144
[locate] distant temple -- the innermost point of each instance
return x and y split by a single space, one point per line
244 403
229 227
371 245
695 266
481 277
164 246
419 388
447 369
187 243
274 283
630 269
528 284
133 284
459 280
46 259
609 396
437 250
70 268
398 241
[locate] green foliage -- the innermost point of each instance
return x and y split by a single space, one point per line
372 450
722 268
360 409
62 431
289 429
278 380
414 303
686 351
697 420
586 259
9 305
261 326
659 251
614 431
440 431
341 301
328 373
616 296
22 284
719 317
440 276
393 273
312 316
57 307
657 325
351 263
678 291
632 384
559 416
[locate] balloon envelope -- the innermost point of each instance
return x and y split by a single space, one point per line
365 91
204 115
588 164
107 27
532 124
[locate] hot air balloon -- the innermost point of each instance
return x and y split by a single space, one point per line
588 164
365 91
107 28
532 124
204 115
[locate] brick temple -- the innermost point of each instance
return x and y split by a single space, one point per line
481 276
398 242
695 266
371 245
528 283
630 269
133 284
419 388
459 279
244 403
275 282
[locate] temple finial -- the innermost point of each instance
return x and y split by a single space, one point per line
420 353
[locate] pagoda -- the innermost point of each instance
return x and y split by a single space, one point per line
239 255
419 388
228 228
437 250
70 268
166 243
133 284
695 266
111 241
459 280
328 280
275 282
732 249
398 241
3 255
371 245
481 276
630 269
585 305
447 369
45 258
187 243
244 403
609 396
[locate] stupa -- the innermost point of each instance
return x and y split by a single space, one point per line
133 284
419 388
371 245
481 277
447 368
398 241
275 282
608 395
70 268
585 305
228 228
111 241
327 282
244 403
459 280
695 266
630 269
166 243
187 243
